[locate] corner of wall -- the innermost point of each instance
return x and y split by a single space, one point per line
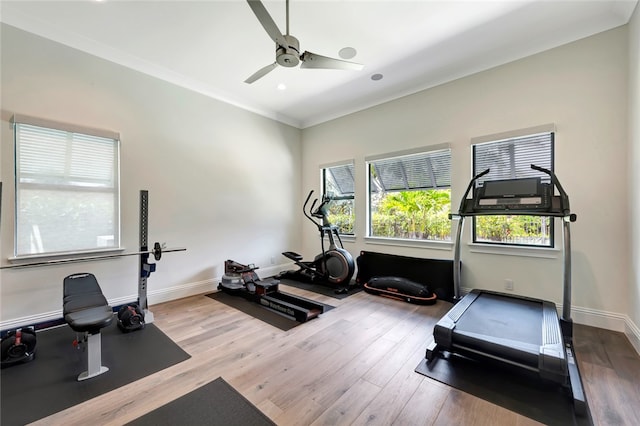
632 329
633 334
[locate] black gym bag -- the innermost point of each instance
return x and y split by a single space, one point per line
401 288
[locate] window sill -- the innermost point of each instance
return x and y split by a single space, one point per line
348 238
345 238
539 252
434 245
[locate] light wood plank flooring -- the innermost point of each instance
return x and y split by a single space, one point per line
352 365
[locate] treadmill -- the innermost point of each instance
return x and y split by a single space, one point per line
519 331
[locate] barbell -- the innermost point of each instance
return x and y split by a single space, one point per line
156 252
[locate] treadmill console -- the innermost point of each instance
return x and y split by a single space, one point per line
525 194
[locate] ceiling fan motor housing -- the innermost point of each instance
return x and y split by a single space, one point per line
289 56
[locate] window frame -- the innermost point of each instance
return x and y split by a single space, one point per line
504 138
69 181
430 152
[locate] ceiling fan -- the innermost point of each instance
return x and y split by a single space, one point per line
288 48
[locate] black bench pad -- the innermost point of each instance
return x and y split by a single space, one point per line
85 308
85 302
90 320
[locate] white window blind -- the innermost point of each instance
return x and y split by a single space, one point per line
67 189
427 170
512 158
341 180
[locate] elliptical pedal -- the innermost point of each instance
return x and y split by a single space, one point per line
293 256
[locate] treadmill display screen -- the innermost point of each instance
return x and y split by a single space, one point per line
513 195
511 188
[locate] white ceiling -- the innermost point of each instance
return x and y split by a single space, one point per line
212 46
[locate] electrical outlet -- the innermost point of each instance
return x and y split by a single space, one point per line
508 284
273 260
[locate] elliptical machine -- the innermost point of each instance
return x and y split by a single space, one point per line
334 266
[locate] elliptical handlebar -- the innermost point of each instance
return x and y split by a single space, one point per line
309 215
316 212
307 200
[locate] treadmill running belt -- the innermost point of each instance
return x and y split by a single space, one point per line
507 318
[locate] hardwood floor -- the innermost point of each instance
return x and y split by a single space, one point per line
352 365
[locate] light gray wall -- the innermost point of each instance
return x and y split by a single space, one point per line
223 182
582 88
634 175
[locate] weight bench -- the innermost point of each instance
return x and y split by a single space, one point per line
86 310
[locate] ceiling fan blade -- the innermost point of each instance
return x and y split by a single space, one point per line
312 60
261 73
267 22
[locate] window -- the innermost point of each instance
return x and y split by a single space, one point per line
511 158
410 195
67 188
338 184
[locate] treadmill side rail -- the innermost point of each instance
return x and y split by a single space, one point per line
443 330
577 389
552 361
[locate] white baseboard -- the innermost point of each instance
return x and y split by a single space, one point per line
181 291
44 317
270 271
595 318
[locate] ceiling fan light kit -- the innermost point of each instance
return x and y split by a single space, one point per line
288 48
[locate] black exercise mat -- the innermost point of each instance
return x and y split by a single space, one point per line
517 391
260 312
48 384
320 289
216 403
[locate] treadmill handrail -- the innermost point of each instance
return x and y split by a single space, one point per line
464 197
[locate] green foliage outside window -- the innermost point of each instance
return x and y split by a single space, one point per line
422 214
529 230
342 215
